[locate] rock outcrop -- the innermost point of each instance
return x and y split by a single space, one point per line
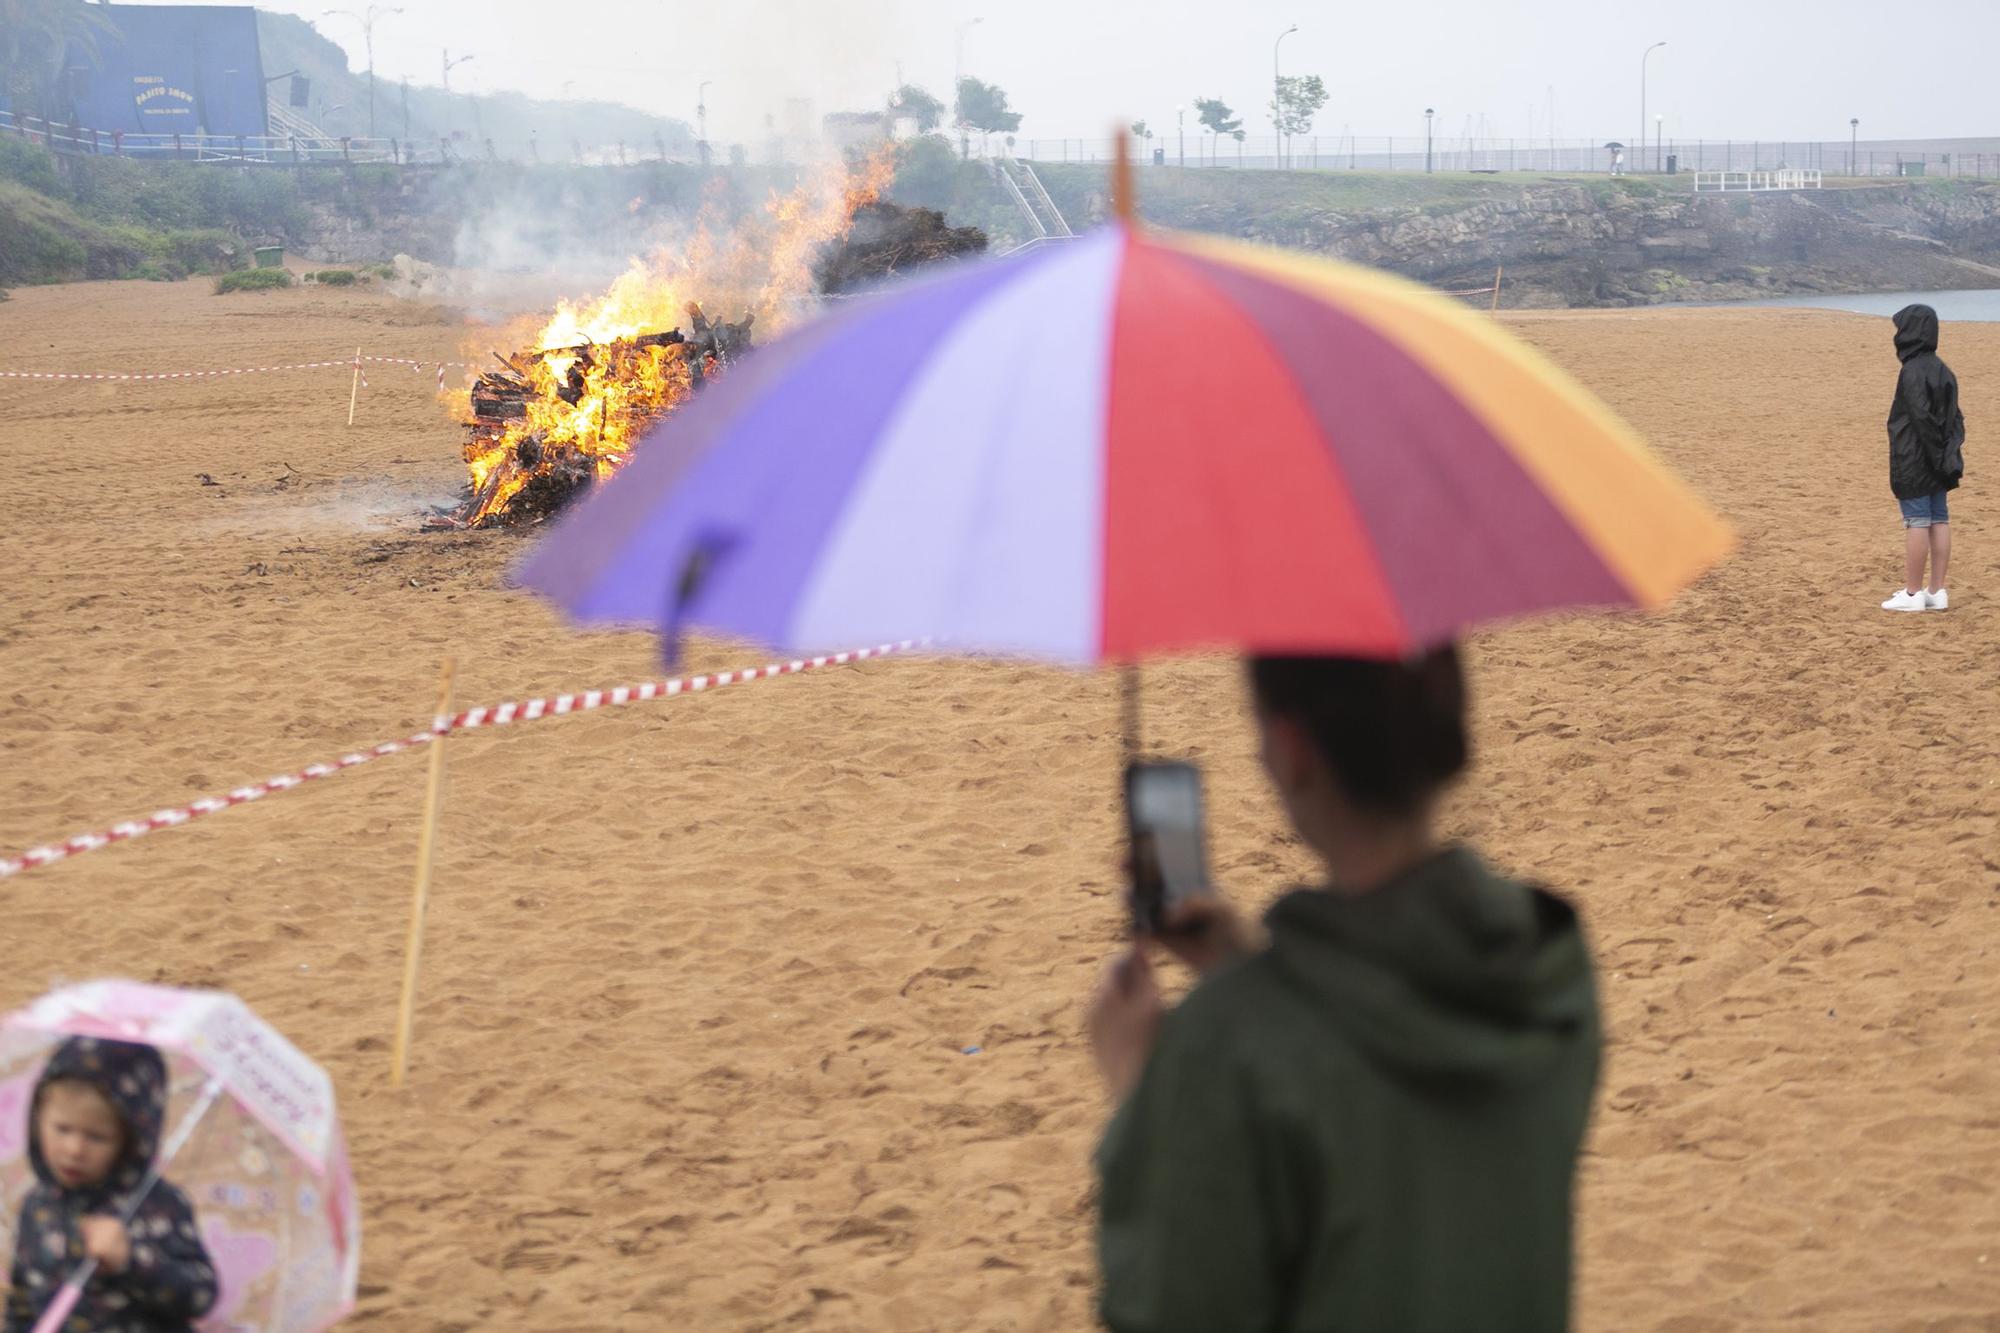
1634 243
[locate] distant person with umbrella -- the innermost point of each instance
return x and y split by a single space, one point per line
1926 459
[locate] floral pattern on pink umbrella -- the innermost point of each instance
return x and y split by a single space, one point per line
243 1259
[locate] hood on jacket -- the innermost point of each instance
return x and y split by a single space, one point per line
1916 331
133 1078
1449 973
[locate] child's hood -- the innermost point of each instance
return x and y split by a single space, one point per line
134 1079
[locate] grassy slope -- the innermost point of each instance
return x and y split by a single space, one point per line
112 218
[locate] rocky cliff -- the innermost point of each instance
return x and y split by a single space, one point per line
1568 242
1608 245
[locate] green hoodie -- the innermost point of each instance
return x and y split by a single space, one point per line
1371 1125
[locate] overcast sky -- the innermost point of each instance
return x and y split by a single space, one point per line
1766 69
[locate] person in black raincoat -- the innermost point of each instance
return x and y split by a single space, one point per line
93 1129
1926 459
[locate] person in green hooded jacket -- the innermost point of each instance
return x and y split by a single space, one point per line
1371 1120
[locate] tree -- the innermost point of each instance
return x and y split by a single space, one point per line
36 37
1239 136
916 104
1140 130
1217 118
983 107
1215 113
1299 99
927 174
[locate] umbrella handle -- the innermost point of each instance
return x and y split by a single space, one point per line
72 1287
65 1301
1128 709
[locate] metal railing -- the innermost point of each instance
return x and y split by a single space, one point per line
1745 181
285 149
1974 158
1013 187
1954 158
1040 194
261 148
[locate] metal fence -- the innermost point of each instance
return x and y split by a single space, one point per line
1960 158
1974 158
302 150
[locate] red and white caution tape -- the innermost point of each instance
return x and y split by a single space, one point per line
413 363
493 716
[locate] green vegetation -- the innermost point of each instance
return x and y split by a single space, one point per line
1299 99
1225 199
252 280
108 217
1607 188
983 106
36 37
333 277
916 103
47 240
1273 200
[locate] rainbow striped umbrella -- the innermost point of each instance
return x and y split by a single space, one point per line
1139 442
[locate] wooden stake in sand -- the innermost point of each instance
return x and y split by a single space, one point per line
354 391
1496 287
426 844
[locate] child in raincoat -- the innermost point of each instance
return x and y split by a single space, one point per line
93 1129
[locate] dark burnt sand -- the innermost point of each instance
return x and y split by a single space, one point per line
700 973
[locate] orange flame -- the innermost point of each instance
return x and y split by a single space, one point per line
619 387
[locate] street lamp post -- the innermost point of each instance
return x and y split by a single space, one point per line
957 82
450 65
1642 99
1853 142
1277 93
367 22
1180 122
701 120
1428 113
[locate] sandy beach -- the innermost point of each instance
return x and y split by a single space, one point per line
702 975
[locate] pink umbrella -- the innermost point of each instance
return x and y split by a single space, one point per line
252 1139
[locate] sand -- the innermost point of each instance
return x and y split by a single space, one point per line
701 974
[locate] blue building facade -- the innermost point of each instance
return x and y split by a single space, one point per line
172 69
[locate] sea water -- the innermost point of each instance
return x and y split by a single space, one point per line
1977 306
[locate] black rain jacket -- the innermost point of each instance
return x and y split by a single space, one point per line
1926 429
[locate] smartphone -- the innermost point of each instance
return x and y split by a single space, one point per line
1164 824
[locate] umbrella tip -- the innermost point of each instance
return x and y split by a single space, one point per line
1122 202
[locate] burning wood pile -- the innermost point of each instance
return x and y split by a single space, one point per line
886 240
557 420
551 422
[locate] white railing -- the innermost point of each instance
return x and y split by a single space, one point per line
1793 178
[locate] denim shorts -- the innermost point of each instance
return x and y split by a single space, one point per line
1926 511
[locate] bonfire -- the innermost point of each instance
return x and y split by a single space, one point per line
549 422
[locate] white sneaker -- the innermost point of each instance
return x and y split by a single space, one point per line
1937 601
1907 601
